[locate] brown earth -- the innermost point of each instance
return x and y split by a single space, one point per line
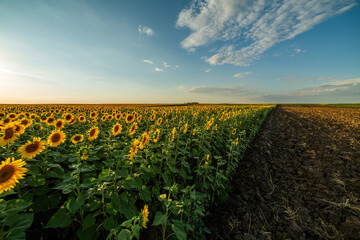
300 179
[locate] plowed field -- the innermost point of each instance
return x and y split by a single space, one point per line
299 180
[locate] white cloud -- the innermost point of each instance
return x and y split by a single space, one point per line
294 79
177 66
298 50
207 70
148 61
158 69
241 75
260 23
145 30
166 65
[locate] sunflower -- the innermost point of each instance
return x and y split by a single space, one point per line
68 117
6 120
59 124
151 129
134 148
19 128
130 118
153 117
157 135
116 129
93 114
133 128
159 121
82 118
234 131
32 148
185 128
145 216
56 138
144 140
9 134
139 118
72 121
12 115
77 138
93 133
173 134
84 154
25 122
50 121
10 173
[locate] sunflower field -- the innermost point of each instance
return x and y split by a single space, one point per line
118 171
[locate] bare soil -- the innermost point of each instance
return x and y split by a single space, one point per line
299 180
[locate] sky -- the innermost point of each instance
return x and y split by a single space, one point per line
167 51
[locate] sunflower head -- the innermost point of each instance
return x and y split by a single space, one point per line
93 133
68 117
157 135
59 124
10 173
145 216
159 121
50 121
130 118
32 148
139 118
116 129
144 140
19 128
77 138
133 128
12 115
84 154
56 138
9 134
25 122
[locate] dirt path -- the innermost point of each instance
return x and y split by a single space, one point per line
300 180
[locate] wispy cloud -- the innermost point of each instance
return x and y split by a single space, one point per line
260 23
241 75
294 79
334 91
148 61
159 69
166 65
233 91
298 50
207 70
145 30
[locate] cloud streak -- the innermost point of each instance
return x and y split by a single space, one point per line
158 69
241 75
250 27
148 61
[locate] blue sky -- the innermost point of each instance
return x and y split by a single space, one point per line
213 51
